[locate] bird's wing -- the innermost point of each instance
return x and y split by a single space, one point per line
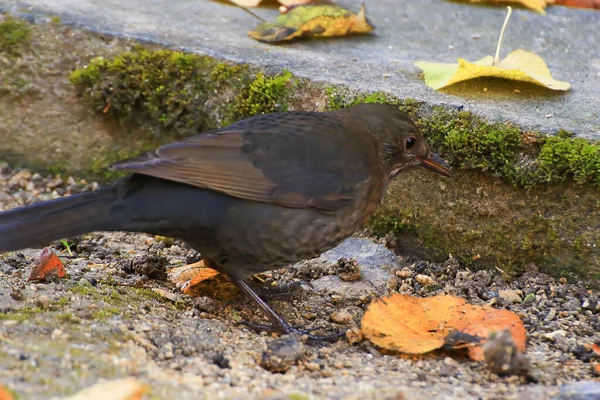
296 160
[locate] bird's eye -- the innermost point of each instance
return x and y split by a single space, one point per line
410 142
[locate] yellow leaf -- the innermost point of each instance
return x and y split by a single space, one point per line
536 5
418 325
255 3
314 21
119 389
519 65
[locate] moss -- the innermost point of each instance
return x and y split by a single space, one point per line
68 317
166 87
524 159
14 35
21 315
170 90
263 95
383 223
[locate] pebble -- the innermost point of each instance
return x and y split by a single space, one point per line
553 336
424 280
404 273
341 317
511 295
354 335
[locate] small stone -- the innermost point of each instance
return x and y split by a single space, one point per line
341 317
511 295
404 273
312 366
16 294
450 361
20 178
348 269
354 335
282 353
424 280
554 336
207 304
551 315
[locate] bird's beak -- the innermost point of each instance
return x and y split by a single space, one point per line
435 163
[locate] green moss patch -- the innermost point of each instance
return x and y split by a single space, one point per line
179 92
14 34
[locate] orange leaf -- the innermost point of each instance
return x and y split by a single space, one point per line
47 267
5 394
595 348
483 321
186 277
579 3
419 325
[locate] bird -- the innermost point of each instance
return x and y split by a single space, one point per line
260 194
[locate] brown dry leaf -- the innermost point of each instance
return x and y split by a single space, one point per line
255 3
174 297
119 389
536 5
5 394
47 267
595 348
190 275
313 21
418 325
579 3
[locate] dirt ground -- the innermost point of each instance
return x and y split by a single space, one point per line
104 321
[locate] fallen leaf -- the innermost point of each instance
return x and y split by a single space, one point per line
255 3
519 65
47 267
190 275
595 348
483 322
313 21
167 295
579 3
5 394
418 325
536 5
119 389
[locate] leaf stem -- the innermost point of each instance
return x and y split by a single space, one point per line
248 11
508 14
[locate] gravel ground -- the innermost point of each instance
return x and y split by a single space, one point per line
105 321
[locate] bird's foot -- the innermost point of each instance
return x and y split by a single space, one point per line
287 329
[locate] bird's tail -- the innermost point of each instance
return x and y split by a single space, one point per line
37 224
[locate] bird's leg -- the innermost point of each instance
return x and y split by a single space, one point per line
279 324
280 291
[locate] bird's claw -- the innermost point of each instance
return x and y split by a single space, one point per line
289 330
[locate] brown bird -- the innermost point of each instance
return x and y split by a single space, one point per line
256 195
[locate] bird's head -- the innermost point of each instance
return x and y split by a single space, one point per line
400 143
